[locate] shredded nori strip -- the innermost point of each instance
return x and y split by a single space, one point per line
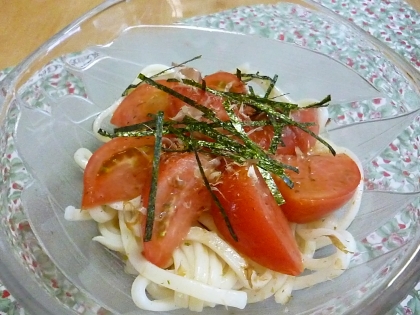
228 138
150 217
215 199
133 86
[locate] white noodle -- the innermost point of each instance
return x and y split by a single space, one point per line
182 268
98 122
102 214
201 273
82 156
223 249
129 269
112 243
175 282
110 237
284 294
138 292
216 271
73 214
130 205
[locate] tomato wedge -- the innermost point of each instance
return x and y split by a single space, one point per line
292 136
146 99
264 235
305 141
324 184
143 100
117 171
181 197
225 81
221 81
263 137
207 99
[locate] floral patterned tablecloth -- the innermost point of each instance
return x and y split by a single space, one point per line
392 21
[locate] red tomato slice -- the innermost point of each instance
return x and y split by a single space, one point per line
117 171
207 99
305 141
324 184
143 100
181 197
225 81
264 235
292 136
264 135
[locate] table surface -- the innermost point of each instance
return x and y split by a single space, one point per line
25 25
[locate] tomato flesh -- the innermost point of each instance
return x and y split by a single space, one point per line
263 137
292 137
142 101
305 141
225 81
204 98
117 171
181 197
324 184
221 81
264 235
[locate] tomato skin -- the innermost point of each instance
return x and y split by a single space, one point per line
264 135
143 100
207 99
305 141
293 137
146 99
225 81
117 171
181 197
264 235
324 184
218 81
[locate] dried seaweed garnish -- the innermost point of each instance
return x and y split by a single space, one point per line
133 86
150 216
322 103
227 138
271 86
214 197
277 110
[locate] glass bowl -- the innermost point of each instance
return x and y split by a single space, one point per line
49 101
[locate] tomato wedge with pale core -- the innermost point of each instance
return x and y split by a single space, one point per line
324 184
117 171
180 199
263 232
142 101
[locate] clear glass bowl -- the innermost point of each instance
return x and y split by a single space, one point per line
49 100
